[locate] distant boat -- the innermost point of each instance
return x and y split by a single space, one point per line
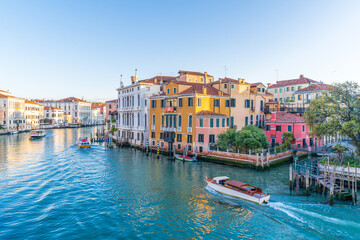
185 158
83 142
14 132
39 133
237 189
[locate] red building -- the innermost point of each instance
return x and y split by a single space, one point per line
281 122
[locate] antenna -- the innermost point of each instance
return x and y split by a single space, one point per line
121 83
135 75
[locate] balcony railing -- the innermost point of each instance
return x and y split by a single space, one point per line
179 129
170 109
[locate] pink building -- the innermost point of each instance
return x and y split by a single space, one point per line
208 126
281 122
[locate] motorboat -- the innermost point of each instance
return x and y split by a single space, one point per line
38 133
83 142
237 189
185 158
14 132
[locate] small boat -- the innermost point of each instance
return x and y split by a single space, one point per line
237 189
185 158
39 133
14 132
83 142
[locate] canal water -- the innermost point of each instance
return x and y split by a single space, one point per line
49 189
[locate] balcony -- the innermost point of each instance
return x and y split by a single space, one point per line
170 109
169 129
179 129
189 129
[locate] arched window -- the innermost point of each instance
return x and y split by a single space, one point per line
190 120
180 120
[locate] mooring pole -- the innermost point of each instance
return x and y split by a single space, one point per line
291 176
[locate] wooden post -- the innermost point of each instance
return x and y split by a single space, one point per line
341 182
262 161
311 171
353 190
268 159
307 181
355 184
249 151
291 176
297 181
332 190
257 160
348 172
325 176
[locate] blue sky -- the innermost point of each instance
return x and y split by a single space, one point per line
55 49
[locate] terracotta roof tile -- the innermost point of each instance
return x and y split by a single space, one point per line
315 87
193 73
52 108
284 117
71 99
209 113
300 80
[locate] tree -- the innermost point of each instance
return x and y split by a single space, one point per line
226 139
251 137
339 149
337 112
46 120
288 137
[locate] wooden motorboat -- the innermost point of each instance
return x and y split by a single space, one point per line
83 142
39 133
185 158
14 132
237 189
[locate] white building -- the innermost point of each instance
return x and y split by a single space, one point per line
12 112
79 109
34 114
55 115
133 108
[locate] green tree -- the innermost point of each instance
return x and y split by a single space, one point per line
339 149
226 139
337 111
251 137
288 137
46 120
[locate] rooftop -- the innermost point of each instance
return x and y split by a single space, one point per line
300 80
284 117
181 72
315 87
53 108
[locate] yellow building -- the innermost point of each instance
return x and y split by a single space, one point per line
172 112
34 114
247 101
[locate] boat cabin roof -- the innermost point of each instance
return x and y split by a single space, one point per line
235 183
217 179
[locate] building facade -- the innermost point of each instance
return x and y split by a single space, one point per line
12 112
34 114
55 115
313 91
133 108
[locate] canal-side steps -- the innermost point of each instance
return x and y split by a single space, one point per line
325 178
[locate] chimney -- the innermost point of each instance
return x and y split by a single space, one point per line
240 80
269 85
132 79
301 76
204 90
136 79
155 80
205 74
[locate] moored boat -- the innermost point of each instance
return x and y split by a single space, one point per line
237 189
83 142
14 132
39 133
185 158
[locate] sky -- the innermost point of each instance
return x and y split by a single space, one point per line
56 49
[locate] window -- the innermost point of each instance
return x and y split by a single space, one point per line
227 121
153 103
223 122
275 90
299 87
161 135
216 103
303 128
180 118
259 90
201 138
201 122
280 90
211 122
232 122
162 103
190 121
180 102
275 99
152 134
162 120
281 100
153 121
217 122
162 144
251 120
225 86
267 127
199 102
153 143
179 146
233 102
278 128
179 138
289 128
190 102
174 90
211 138
246 121
263 90
189 139
288 89
227 103
292 88
247 103
232 85
200 149
168 91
